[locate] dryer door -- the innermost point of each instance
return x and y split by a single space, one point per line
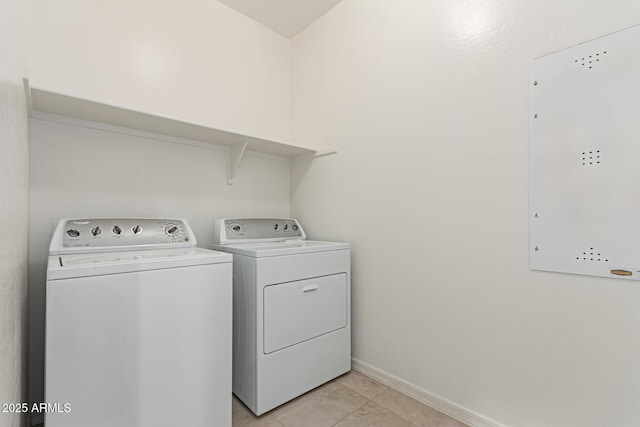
299 311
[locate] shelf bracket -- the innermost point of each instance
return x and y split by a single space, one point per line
236 152
321 153
27 96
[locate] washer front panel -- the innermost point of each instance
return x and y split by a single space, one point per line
136 349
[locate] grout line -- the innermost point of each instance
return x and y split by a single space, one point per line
389 410
401 414
385 387
451 409
355 410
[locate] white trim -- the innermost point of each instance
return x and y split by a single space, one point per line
445 406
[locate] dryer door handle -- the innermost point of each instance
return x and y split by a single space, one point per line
309 288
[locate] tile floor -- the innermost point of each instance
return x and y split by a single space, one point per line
352 400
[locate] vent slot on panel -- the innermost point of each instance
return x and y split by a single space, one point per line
591 255
590 60
590 158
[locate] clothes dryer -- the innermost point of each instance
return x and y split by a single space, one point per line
292 309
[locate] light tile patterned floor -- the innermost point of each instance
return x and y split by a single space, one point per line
352 400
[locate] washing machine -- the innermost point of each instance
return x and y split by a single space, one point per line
291 312
138 326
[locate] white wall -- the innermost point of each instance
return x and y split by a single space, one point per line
195 60
83 171
427 103
14 187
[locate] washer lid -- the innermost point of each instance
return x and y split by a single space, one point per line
82 265
287 247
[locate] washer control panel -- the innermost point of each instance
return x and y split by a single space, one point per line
246 230
127 233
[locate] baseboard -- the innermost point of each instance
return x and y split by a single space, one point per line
445 406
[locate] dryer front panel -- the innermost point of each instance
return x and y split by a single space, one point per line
298 311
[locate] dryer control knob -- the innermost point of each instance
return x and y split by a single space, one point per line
136 229
96 231
295 227
73 233
117 230
171 230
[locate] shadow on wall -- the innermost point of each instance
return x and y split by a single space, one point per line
14 193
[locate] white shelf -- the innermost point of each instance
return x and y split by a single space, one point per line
45 101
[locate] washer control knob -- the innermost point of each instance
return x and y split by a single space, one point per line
96 231
171 230
117 230
295 227
276 226
73 233
285 227
236 228
136 229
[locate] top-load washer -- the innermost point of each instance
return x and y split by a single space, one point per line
138 326
291 311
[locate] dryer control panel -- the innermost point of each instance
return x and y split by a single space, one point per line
255 230
104 234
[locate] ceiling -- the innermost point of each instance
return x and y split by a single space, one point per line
287 17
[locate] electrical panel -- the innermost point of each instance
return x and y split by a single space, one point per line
584 158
